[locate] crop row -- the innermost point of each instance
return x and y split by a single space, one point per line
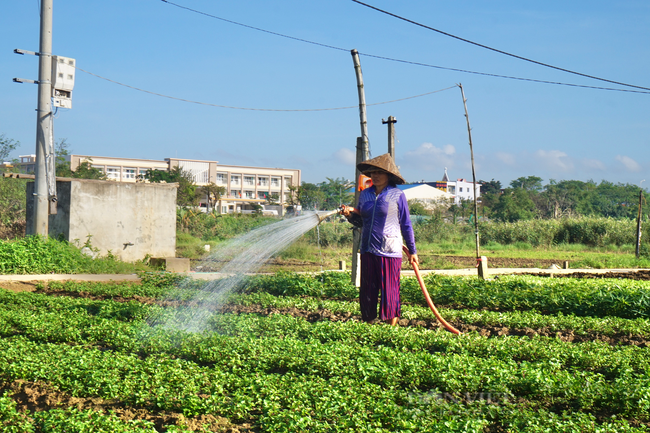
308 384
605 361
596 298
120 325
286 374
512 319
627 299
609 325
69 420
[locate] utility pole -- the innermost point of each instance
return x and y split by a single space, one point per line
43 121
363 153
391 134
362 106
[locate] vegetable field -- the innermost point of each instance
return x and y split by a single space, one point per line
288 353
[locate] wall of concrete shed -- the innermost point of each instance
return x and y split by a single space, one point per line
131 220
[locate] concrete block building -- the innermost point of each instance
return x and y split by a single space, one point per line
244 185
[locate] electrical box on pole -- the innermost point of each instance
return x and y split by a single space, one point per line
63 73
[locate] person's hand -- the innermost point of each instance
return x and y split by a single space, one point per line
346 210
414 261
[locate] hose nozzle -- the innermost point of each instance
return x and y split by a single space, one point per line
321 216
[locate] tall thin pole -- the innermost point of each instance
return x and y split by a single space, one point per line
638 227
391 134
363 153
471 150
43 120
356 232
362 106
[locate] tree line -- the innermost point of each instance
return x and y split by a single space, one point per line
525 198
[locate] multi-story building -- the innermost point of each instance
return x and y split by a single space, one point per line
25 164
461 189
244 185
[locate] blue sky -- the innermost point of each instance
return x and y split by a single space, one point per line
519 128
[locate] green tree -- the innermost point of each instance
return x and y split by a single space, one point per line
12 207
490 187
273 199
214 193
61 166
564 199
615 200
528 183
310 196
416 207
87 171
336 192
187 194
513 205
7 145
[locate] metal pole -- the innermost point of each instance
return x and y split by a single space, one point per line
471 150
43 120
362 106
391 134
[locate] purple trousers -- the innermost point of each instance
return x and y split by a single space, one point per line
380 275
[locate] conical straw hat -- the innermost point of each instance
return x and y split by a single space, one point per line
384 162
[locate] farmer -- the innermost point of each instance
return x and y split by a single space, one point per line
385 214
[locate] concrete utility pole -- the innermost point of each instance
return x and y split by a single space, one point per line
391 134
43 120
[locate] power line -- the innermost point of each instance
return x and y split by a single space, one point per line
254 28
499 51
506 76
256 109
465 71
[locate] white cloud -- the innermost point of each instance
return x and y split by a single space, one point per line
345 156
506 158
430 158
431 151
554 160
594 164
628 163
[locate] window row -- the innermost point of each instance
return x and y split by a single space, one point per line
263 181
261 195
121 173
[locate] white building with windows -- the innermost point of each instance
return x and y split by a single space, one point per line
244 185
460 189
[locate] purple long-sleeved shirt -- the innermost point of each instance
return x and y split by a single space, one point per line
385 221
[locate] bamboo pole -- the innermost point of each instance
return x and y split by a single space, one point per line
638 227
362 105
471 150
363 154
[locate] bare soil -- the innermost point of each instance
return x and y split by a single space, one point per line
19 286
494 262
38 396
